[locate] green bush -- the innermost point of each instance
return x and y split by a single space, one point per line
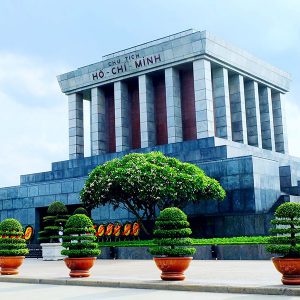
57 208
79 238
54 222
286 243
80 210
171 234
12 243
141 183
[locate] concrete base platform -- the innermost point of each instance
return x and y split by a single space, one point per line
243 277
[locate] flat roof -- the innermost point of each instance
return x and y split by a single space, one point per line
179 48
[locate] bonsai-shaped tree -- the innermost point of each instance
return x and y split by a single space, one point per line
80 210
11 241
79 237
287 241
171 234
57 215
141 183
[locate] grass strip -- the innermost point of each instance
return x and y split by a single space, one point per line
241 240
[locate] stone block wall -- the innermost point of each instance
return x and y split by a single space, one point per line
253 184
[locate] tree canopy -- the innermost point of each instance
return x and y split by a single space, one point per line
141 183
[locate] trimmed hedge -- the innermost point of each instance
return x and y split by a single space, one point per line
241 240
287 241
11 242
171 234
79 237
80 210
53 222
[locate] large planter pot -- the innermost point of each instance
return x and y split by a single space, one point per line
52 251
80 267
10 264
172 267
289 268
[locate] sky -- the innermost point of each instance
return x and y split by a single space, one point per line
40 39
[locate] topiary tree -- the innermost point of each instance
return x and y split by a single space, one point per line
57 215
80 210
79 237
141 183
171 234
287 241
11 241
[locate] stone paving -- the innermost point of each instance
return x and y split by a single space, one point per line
248 277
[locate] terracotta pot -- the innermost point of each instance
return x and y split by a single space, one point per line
289 268
172 267
80 266
10 264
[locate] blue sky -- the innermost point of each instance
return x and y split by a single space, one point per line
41 39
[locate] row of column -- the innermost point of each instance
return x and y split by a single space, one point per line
229 107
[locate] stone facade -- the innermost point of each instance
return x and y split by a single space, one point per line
190 96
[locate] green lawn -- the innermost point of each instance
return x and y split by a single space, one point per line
199 242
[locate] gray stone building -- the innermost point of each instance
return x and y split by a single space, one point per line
189 95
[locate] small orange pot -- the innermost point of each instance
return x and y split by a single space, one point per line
10 264
80 266
289 268
172 267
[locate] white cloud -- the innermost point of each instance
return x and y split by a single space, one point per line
29 79
33 117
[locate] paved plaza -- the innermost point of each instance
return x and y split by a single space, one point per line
241 277
16 291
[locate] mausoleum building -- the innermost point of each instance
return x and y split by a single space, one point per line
191 96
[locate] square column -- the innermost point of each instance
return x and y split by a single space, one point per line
266 118
76 138
252 114
122 119
98 122
203 99
173 103
238 108
279 121
221 103
147 115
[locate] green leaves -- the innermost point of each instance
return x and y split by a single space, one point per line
53 223
287 222
10 225
172 234
142 182
57 208
12 244
288 210
79 221
79 237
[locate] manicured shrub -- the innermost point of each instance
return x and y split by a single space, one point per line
11 241
141 183
80 210
171 234
287 222
79 237
53 223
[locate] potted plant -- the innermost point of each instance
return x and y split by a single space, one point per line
79 241
287 242
80 210
172 250
50 236
12 246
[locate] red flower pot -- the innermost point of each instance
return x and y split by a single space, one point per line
80 266
10 264
172 267
289 268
